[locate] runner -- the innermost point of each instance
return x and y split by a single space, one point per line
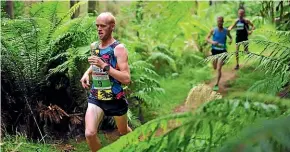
218 46
109 69
243 31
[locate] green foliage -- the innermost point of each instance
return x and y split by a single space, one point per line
144 83
273 59
31 47
163 63
273 135
205 130
18 9
21 143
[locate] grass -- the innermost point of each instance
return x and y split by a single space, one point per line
245 79
21 143
176 90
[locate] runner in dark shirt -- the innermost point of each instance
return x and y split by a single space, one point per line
243 31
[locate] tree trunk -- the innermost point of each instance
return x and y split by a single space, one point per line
9 9
210 3
77 12
92 7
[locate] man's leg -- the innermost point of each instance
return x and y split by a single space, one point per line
214 64
237 56
93 118
219 70
122 124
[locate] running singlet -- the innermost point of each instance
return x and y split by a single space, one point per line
220 37
104 86
242 29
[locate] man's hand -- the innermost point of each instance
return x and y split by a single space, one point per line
85 80
97 61
214 43
250 32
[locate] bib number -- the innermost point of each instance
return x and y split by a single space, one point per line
102 84
240 26
219 47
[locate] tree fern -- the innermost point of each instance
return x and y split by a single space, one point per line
144 83
159 59
27 46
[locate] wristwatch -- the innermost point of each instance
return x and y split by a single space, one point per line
106 68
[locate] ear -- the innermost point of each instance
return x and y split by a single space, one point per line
113 27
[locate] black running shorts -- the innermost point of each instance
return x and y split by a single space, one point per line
214 51
117 107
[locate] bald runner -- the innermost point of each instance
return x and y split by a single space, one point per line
109 70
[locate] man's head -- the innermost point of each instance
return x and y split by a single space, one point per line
220 21
105 24
241 13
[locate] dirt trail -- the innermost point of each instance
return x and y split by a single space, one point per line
227 75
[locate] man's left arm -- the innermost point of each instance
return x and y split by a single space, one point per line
252 25
123 74
229 35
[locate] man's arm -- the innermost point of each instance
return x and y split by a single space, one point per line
252 25
85 78
208 38
123 74
229 35
122 62
233 25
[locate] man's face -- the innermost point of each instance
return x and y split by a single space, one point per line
220 22
104 28
241 13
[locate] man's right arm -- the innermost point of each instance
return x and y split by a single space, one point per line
85 78
233 25
208 37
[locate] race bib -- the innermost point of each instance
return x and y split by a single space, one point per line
102 84
240 26
219 47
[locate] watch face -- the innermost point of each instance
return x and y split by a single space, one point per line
107 68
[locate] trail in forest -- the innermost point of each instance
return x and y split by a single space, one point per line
227 75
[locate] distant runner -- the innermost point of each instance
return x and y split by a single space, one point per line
242 27
218 46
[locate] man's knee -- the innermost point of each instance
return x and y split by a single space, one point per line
90 133
123 130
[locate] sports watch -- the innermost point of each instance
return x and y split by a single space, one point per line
106 68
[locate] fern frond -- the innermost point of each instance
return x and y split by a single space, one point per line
271 84
272 135
200 131
59 69
158 58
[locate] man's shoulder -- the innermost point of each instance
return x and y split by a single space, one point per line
120 46
120 49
